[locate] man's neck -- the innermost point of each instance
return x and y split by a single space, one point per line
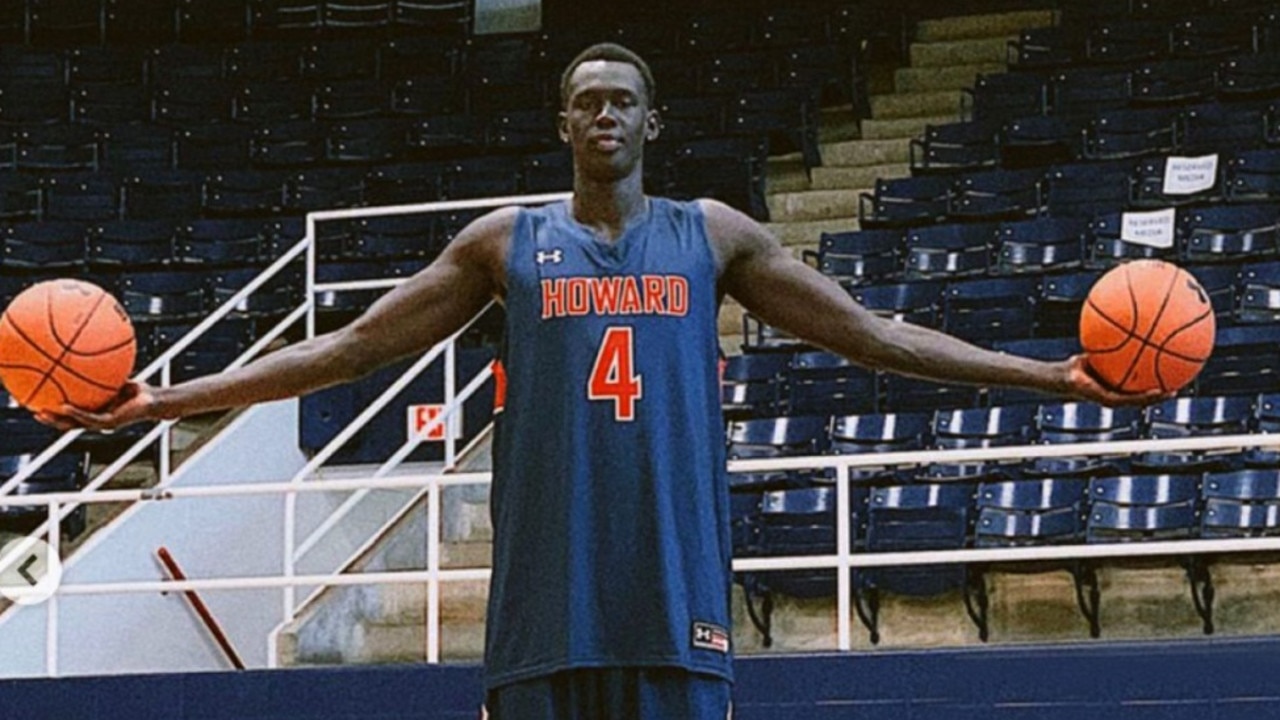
609 208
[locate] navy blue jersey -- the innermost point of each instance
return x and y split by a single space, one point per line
611 537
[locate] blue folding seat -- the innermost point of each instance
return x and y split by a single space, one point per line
325 189
1266 420
55 148
80 196
276 298
1083 190
1039 246
221 242
367 141
996 195
25 63
693 117
404 183
523 130
20 197
1149 187
1127 41
339 59
1257 297
823 383
482 177
349 303
1249 75
396 237
712 31
193 100
1119 134
858 257
1221 127
34 102
348 16
1039 140
1031 513
1173 83
744 523
788 115
272 101
990 309
1253 176
955 146
164 295
1060 423
775 437
285 19
65 472
161 194
65 22
905 202
429 96
998 426
252 62
412 56
1194 417
547 172
1089 90
1143 508
446 136
212 146
243 193
352 99
292 144
136 147
996 99
948 251
139 22
753 384
1107 246
918 302
54 246
132 244
1227 233
226 21
181 63
879 433
109 65
1046 48
906 518
1245 359
1244 503
729 169
1218 282
110 103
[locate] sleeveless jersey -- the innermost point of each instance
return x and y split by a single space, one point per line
609 499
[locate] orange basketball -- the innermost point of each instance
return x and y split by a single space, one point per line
65 342
1146 325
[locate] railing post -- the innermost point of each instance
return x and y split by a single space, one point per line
450 392
288 597
51 608
166 437
844 537
309 281
433 569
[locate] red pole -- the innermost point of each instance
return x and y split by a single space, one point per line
201 609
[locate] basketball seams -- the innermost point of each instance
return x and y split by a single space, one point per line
1114 323
1155 322
19 331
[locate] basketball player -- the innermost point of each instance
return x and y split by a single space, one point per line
611 559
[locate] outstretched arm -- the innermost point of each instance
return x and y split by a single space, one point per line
411 318
789 294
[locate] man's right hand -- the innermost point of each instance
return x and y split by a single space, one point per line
136 402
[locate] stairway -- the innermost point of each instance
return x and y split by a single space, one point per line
945 58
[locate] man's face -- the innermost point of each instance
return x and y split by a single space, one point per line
607 118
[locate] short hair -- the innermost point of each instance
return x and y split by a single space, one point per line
611 52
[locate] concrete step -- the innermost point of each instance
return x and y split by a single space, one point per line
812 205
786 175
838 123
836 177
807 234
406 603
955 77
910 105
866 152
904 128
981 26
408 643
960 52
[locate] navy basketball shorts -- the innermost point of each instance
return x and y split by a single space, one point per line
662 693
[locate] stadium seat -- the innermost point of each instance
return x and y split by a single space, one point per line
1245 359
163 296
133 244
904 518
1046 48
1082 422
947 251
244 193
20 197
1083 190
954 147
348 16
285 19
293 144
325 189
212 146
772 438
1107 246
481 176
752 385
988 309
159 194
1039 246
345 100
823 383
367 141
918 302
1127 41
446 136
876 434
139 22
53 246
1247 76
997 99
212 22
1258 301
1149 188
259 102
1244 503
65 472
1219 282
1029 513
730 169
396 237
262 62
274 299
1174 83
859 257
908 394
789 116
1221 127
34 102
1194 417
137 147
57 148
192 100
110 65
403 183
1039 140
65 22
1227 233
1119 134
548 172
87 196
687 118
345 59
995 195
410 56
110 103
24 63
1253 176
905 202
221 242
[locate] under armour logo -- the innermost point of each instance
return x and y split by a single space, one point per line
554 256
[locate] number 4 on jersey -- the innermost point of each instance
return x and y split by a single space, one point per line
613 377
